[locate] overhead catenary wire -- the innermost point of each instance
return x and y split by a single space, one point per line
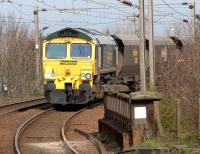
78 9
75 13
57 21
111 5
22 20
104 11
70 11
13 4
173 8
22 4
18 10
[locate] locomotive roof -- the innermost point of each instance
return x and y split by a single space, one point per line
87 34
130 39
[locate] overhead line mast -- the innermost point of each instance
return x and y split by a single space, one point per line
37 48
142 41
142 47
151 44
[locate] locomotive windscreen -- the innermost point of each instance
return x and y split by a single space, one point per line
56 51
79 50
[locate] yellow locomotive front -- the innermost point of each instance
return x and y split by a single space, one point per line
68 66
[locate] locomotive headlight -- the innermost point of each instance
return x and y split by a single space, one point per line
52 74
88 76
47 75
83 75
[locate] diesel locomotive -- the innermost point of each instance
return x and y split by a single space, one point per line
80 64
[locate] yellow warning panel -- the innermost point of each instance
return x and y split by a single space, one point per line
136 60
135 56
135 53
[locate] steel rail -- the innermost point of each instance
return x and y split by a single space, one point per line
24 126
12 107
92 139
19 102
66 143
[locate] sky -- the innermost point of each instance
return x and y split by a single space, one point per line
96 14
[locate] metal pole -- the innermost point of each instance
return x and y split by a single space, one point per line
133 25
142 47
37 47
194 18
151 44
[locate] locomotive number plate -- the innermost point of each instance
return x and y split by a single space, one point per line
68 62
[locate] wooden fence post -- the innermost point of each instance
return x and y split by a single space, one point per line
131 112
157 118
104 100
178 118
199 116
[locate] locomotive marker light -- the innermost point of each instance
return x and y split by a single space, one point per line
83 75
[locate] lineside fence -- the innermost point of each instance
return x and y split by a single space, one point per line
180 118
132 117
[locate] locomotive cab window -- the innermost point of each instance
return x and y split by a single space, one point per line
56 51
108 57
79 50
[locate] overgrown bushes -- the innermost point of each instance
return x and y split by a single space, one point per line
17 58
179 78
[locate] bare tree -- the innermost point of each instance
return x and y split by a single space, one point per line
17 58
179 78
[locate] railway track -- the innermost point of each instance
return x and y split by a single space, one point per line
45 133
9 108
41 133
80 141
10 123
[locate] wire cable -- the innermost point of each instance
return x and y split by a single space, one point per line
173 8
